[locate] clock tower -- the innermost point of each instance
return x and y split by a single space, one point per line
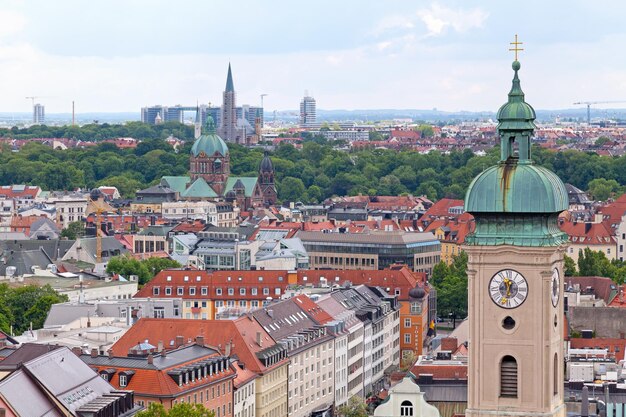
515 265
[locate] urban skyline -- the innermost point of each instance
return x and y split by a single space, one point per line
444 55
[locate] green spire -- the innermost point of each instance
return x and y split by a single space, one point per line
516 123
516 95
230 87
209 126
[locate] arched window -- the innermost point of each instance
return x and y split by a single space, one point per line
508 377
556 374
217 166
406 408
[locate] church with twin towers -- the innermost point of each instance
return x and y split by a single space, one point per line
234 124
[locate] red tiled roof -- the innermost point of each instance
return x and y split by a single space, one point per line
275 280
615 346
148 382
12 191
442 209
317 313
241 332
441 371
24 221
588 233
403 279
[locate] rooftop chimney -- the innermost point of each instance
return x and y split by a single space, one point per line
77 350
200 340
180 340
259 339
110 353
227 348
584 402
150 359
94 352
160 346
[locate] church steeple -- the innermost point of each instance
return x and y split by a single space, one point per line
230 87
516 123
198 123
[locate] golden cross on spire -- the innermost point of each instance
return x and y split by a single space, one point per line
516 47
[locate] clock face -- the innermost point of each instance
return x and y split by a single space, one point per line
555 290
508 288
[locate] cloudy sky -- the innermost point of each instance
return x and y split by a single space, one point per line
119 55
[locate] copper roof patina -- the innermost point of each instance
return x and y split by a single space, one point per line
516 202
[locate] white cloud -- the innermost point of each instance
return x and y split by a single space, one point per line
438 18
11 22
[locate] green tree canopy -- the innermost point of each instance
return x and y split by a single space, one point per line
74 230
451 284
177 410
22 306
355 407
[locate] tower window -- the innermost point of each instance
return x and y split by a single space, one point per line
556 374
406 408
508 377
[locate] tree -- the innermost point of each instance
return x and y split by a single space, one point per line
22 306
145 269
451 284
569 266
601 141
127 265
156 265
355 407
291 189
601 189
74 230
427 131
178 410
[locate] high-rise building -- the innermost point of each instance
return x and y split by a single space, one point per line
308 114
149 114
39 114
515 270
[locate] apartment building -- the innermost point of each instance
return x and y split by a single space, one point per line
310 347
191 373
348 350
245 338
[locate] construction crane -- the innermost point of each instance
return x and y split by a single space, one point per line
98 206
32 99
590 103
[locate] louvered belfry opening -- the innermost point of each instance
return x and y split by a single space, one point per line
508 377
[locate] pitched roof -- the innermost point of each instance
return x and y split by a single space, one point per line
241 332
317 313
248 182
176 183
199 189
588 233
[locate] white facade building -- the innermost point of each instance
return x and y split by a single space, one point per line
406 399
179 210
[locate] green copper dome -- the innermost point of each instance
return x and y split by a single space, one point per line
516 188
516 202
209 142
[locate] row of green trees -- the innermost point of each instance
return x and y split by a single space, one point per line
595 264
145 269
22 306
313 173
